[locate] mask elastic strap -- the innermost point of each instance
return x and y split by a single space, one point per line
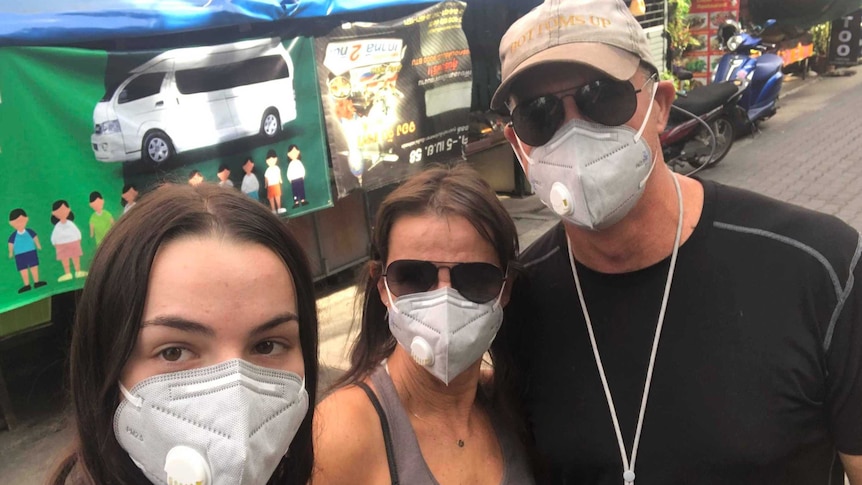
505 280
389 295
499 295
521 146
133 400
651 168
648 111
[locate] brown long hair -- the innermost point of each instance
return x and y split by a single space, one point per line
112 305
440 190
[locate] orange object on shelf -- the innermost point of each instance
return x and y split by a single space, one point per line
796 54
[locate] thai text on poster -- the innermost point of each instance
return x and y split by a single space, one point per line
396 95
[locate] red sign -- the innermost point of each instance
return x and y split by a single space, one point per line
704 19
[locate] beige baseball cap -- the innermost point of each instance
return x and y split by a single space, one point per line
601 34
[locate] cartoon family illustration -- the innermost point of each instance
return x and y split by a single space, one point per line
23 244
129 197
101 220
196 178
66 237
223 175
296 175
251 184
273 180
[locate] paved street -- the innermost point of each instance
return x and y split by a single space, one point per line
809 154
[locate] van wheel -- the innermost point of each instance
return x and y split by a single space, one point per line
270 125
157 147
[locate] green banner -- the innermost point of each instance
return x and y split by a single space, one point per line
83 133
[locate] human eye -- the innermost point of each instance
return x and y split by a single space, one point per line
174 354
270 347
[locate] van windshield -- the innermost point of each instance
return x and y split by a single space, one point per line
109 93
141 87
226 76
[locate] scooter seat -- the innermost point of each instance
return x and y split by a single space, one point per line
702 100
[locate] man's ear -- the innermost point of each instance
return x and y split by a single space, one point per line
509 133
664 96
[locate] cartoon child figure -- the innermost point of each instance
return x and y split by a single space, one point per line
195 178
130 197
23 244
250 185
296 175
101 220
273 180
66 239
224 176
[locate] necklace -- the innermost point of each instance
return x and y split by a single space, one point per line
459 442
629 466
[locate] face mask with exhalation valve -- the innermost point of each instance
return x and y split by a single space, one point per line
443 331
590 174
227 424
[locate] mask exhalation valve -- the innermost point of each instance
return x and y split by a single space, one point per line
422 352
185 466
561 199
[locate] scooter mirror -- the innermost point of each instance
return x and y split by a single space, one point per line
766 25
728 29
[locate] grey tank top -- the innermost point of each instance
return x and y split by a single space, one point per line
411 466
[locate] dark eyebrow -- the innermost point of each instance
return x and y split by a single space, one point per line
180 324
280 319
185 325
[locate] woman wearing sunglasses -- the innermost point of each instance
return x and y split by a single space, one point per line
414 407
194 353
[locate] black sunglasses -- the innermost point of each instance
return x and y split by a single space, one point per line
606 101
477 282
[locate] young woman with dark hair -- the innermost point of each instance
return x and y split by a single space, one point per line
194 352
415 406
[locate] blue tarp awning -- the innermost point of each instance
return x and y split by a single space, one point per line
41 22
47 22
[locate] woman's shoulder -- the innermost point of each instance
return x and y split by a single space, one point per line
345 404
348 441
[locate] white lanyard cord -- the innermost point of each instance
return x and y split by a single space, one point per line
629 468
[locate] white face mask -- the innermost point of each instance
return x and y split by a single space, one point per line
590 174
443 331
226 424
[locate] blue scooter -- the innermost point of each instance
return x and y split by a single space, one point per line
747 58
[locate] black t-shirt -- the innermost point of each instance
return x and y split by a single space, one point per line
758 375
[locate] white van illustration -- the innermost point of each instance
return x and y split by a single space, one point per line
195 97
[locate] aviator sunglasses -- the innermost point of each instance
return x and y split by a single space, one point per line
606 101
477 282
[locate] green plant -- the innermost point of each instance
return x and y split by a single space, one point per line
668 76
820 34
695 65
679 32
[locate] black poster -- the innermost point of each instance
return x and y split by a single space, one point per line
396 95
844 43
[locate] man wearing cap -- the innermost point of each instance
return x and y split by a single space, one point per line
673 330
